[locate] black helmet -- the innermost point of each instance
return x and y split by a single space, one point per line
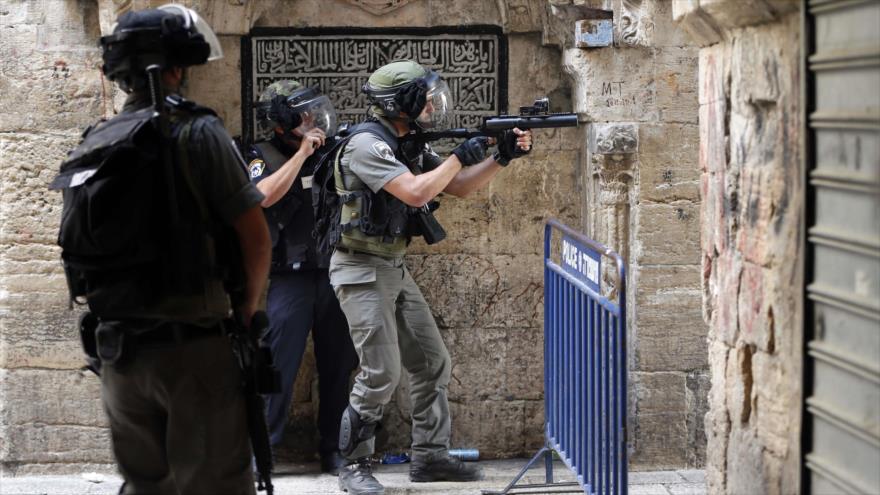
170 36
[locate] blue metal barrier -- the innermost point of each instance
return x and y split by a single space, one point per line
584 370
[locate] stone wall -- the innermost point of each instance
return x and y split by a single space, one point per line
484 283
50 89
639 96
635 189
751 218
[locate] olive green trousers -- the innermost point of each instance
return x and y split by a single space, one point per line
177 420
392 328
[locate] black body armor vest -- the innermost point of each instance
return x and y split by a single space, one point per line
291 219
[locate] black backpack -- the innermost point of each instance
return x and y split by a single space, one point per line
119 249
325 200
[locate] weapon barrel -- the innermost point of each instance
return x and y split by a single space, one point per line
458 133
537 122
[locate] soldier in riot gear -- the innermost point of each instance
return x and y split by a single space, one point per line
381 182
171 387
300 297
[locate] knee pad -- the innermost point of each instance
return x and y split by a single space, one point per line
353 430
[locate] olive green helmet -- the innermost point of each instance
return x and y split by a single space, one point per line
294 108
406 87
285 87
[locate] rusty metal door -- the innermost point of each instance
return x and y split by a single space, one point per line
842 422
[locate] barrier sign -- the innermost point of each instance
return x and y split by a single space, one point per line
581 262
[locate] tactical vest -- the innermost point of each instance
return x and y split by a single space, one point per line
374 223
291 219
118 248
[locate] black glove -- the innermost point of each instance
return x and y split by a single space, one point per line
472 151
507 148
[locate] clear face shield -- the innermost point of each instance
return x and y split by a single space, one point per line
194 21
437 113
315 113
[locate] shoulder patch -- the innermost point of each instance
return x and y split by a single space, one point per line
382 150
256 168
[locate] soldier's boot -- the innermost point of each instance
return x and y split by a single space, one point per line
444 468
358 479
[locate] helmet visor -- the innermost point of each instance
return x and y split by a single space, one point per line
316 113
193 21
437 113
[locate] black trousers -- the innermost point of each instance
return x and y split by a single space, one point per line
299 302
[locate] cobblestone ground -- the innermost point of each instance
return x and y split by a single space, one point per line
303 479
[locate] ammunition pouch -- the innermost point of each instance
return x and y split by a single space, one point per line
422 222
113 344
88 324
373 222
382 215
353 431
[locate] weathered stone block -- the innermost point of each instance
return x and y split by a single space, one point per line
478 364
675 84
55 469
713 137
668 163
302 14
42 443
756 69
614 139
755 310
495 364
660 441
726 279
703 30
525 194
39 332
613 85
717 431
745 464
539 65
54 91
671 334
668 234
67 26
681 8
496 428
735 13
66 397
714 70
524 16
658 284
482 292
225 98
470 12
30 212
667 32
659 393
466 221
698 385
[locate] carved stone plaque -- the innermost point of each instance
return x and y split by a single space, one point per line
472 63
379 7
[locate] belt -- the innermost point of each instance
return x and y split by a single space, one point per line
172 333
355 251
